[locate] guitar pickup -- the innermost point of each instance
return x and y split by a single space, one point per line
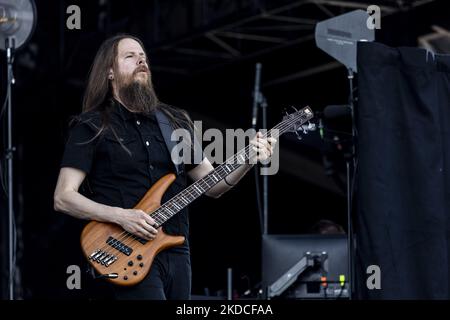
118 245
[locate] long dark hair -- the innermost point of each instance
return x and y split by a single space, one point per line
98 95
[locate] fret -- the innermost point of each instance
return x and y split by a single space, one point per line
180 204
170 211
173 206
204 180
234 166
203 185
192 194
222 174
213 181
157 215
162 213
163 217
188 195
217 175
177 206
197 188
186 202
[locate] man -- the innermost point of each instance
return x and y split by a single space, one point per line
117 148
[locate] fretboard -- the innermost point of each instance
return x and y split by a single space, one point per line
199 187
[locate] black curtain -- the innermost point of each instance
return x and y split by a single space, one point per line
403 172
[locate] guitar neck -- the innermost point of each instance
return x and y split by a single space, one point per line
201 186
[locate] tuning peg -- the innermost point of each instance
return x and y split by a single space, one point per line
299 137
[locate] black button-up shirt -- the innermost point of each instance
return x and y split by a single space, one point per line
120 169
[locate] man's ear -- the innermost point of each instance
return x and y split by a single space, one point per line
111 74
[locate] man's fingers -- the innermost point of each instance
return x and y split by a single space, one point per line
149 228
150 220
261 152
145 234
258 144
266 143
265 147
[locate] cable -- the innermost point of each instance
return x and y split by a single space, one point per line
4 105
2 162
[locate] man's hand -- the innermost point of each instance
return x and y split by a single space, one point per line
263 147
138 223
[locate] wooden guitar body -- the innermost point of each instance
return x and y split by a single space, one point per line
121 258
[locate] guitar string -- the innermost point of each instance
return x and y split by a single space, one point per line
221 169
203 181
126 235
156 215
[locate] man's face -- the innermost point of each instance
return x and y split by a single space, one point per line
131 81
131 64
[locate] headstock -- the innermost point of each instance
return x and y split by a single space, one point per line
298 121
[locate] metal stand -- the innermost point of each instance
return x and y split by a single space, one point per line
265 177
350 167
259 101
17 24
9 154
229 284
338 36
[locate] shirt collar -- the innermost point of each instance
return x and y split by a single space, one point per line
126 115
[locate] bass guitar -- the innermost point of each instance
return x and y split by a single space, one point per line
125 259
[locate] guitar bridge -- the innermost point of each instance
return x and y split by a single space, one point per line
103 257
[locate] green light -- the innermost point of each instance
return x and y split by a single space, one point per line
342 279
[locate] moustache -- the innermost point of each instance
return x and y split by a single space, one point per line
141 69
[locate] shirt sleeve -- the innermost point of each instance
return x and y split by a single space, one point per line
80 147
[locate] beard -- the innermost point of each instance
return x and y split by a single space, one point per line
138 96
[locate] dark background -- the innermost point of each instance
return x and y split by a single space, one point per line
215 85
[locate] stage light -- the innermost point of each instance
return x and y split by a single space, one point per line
17 22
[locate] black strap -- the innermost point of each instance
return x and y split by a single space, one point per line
166 130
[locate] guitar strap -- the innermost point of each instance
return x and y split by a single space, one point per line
166 130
